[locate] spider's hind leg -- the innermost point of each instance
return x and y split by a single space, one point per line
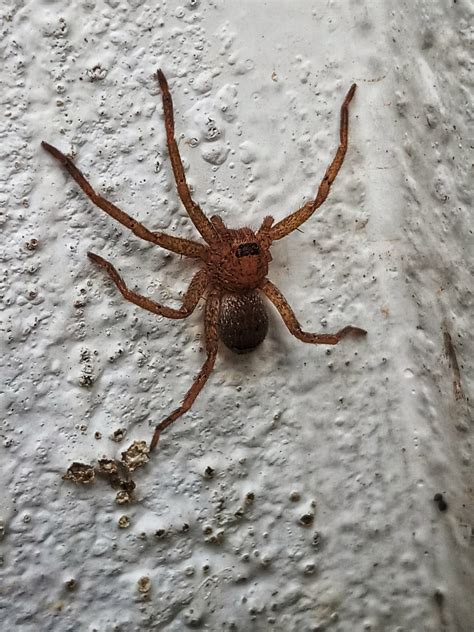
211 318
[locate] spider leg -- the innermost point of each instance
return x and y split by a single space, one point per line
265 231
190 300
211 317
221 231
291 222
196 214
290 320
175 244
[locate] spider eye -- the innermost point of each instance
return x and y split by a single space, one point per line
247 249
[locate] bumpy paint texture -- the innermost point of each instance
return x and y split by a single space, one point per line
299 493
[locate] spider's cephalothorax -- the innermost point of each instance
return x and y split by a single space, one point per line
234 263
240 263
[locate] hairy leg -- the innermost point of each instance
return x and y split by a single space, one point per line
197 216
175 244
265 231
222 232
190 300
211 318
291 222
280 302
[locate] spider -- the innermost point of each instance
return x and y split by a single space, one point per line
234 263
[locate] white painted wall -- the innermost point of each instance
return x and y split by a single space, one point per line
362 436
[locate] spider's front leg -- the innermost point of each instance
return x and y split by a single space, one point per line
291 222
211 318
280 302
195 212
181 246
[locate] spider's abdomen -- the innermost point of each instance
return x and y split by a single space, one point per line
243 321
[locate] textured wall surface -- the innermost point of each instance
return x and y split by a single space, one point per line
298 493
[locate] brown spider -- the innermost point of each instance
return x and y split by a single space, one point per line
234 263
